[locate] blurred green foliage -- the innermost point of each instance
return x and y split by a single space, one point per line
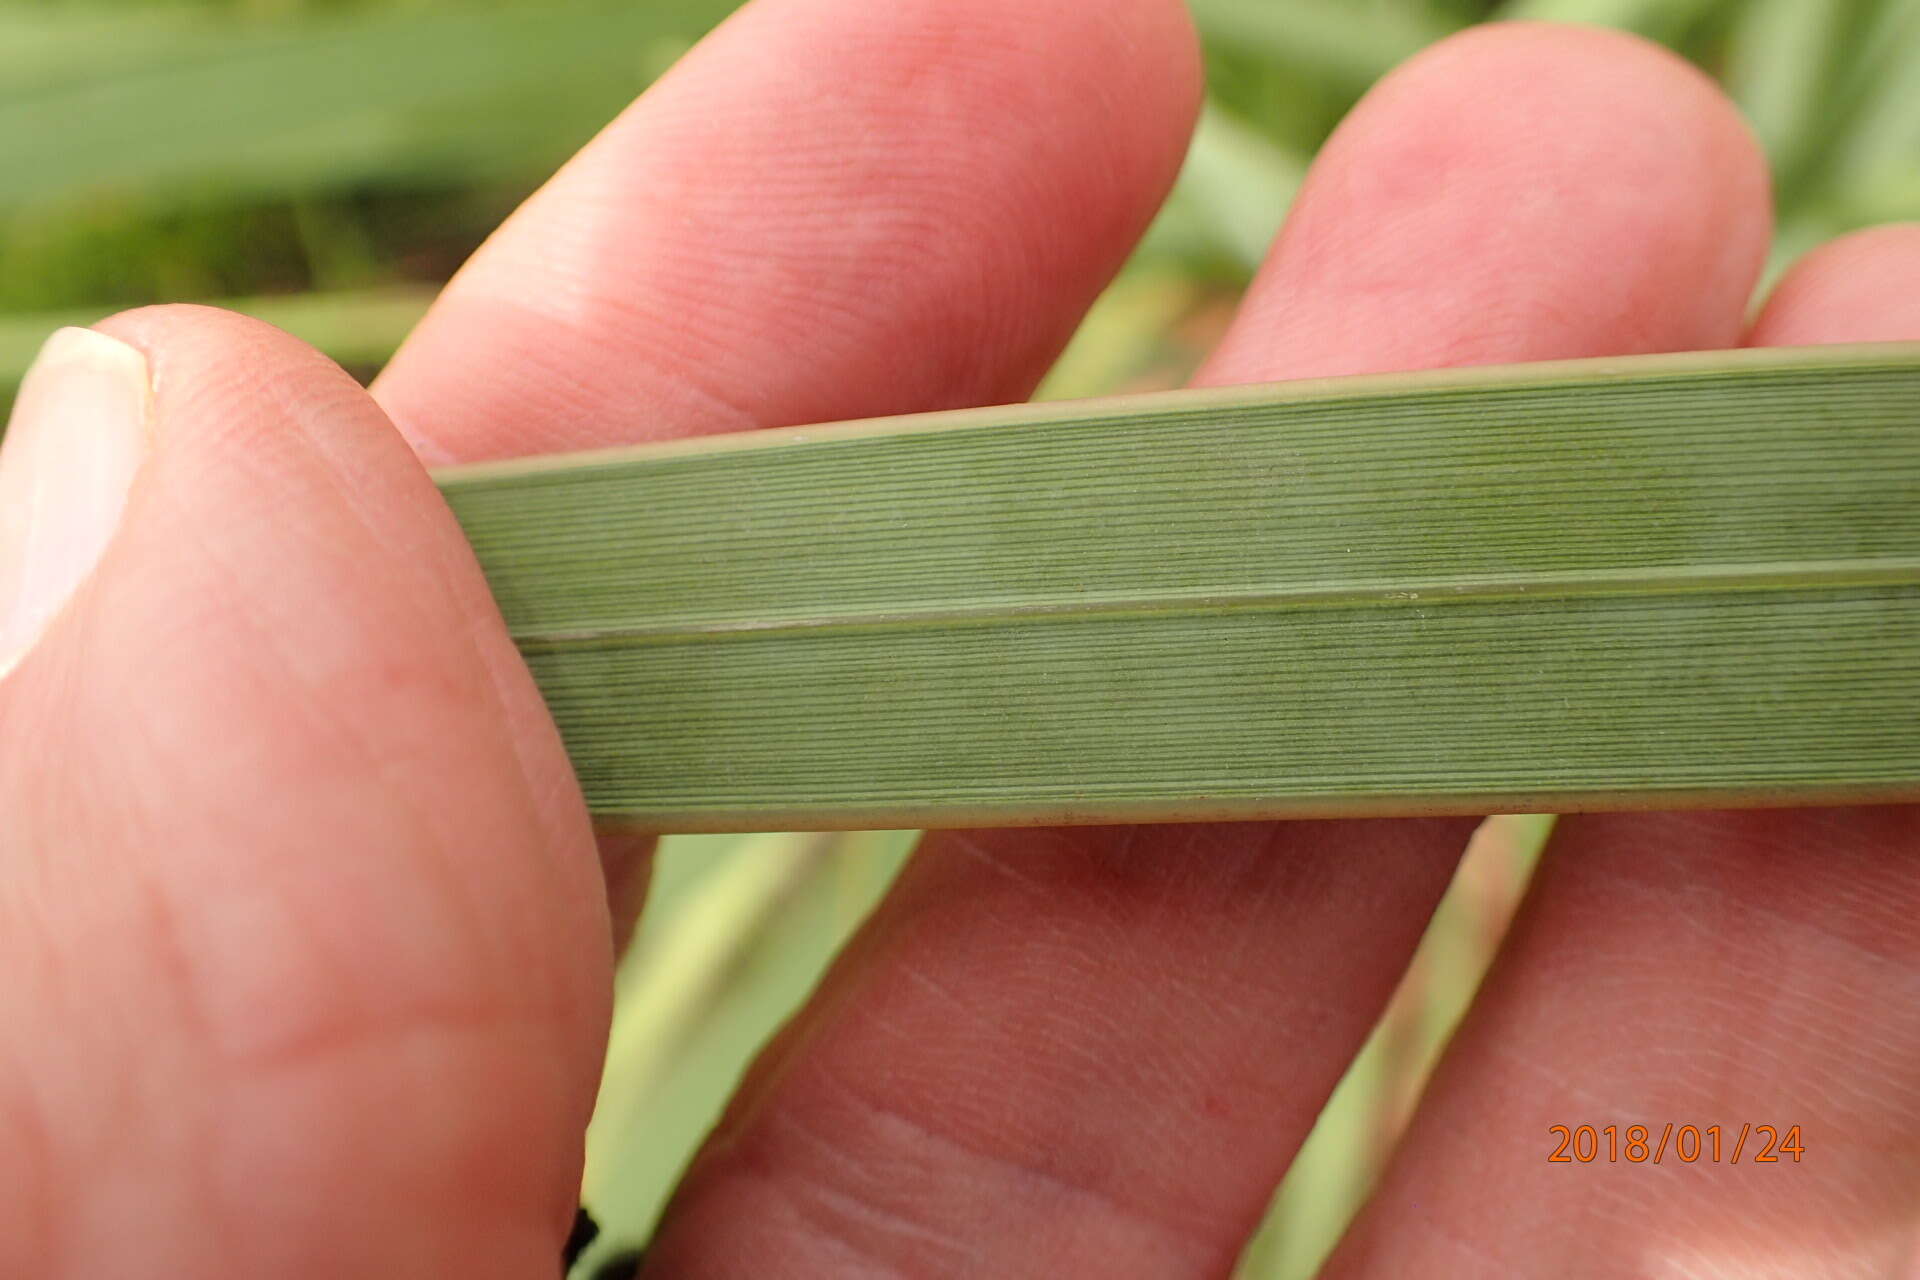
326 163
354 151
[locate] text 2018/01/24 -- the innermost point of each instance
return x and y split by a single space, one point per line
1686 1143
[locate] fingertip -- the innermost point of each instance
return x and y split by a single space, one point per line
1531 77
210 366
1521 191
828 209
1861 287
191 326
1157 45
1536 45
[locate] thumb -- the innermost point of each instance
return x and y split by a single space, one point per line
305 944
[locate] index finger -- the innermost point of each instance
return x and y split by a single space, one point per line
829 209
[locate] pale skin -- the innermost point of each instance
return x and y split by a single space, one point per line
305 934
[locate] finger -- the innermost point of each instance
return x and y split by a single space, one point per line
305 944
1729 969
1621 213
829 209
1864 287
1093 1052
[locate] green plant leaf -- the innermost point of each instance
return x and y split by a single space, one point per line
310 104
736 933
1875 125
355 327
1613 583
1667 21
1782 62
1345 45
47 46
1232 194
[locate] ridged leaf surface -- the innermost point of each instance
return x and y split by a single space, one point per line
1616 583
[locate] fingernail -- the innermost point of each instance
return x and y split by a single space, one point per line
78 433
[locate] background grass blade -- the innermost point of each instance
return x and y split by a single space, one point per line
1670 21
1234 191
315 103
357 327
1594 584
737 931
1347 44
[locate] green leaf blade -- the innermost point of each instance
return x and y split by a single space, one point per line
1595 584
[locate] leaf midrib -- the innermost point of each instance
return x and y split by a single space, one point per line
1867 571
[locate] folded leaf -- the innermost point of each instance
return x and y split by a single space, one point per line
1634 582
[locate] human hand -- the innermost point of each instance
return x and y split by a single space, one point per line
304 935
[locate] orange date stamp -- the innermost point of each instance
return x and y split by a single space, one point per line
1678 1143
